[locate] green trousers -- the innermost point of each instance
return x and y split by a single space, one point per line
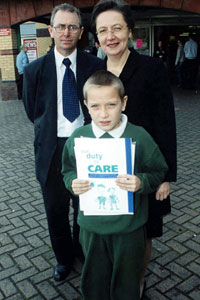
113 264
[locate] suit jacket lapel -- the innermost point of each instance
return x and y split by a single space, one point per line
132 61
49 78
50 70
81 69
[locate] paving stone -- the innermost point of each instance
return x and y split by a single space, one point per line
193 245
39 251
195 295
159 246
154 294
164 259
4 239
22 275
189 284
16 297
22 250
175 294
40 263
194 268
159 270
7 287
7 248
6 261
196 220
177 246
192 227
19 240
35 241
8 272
67 289
39 297
179 270
22 262
47 290
27 289
184 236
187 258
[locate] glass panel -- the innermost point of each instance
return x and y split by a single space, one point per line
141 40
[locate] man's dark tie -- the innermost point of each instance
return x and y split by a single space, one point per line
71 109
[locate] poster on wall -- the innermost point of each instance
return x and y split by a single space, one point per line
4 31
31 44
139 44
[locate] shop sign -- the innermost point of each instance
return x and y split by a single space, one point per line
4 31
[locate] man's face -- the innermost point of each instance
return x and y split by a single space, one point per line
65 41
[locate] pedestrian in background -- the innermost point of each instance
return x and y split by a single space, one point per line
21 62
190 65
180 57
160 52
50 84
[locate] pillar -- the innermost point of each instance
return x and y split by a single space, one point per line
8 52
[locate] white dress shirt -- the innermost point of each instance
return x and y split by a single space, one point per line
64 127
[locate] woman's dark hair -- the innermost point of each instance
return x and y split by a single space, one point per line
116 5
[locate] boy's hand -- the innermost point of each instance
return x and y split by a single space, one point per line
80 186
163 191
128 182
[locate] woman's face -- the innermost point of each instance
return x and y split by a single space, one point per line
112 32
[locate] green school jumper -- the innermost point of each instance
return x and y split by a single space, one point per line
114 246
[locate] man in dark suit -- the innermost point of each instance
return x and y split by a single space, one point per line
42 96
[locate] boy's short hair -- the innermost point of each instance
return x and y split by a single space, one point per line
104 78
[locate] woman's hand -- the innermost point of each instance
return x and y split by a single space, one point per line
129 182
163 191
80 186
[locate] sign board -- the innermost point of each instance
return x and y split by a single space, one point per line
4 31
31 44
139 44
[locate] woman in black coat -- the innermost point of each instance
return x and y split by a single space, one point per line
150 102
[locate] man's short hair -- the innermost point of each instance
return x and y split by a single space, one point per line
104 78
65 7
23 47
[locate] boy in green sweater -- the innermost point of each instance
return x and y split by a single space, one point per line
113 245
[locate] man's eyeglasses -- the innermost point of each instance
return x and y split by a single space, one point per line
104 31
71 28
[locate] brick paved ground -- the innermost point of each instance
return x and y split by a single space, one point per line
26 259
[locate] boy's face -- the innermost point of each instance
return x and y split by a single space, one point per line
105 106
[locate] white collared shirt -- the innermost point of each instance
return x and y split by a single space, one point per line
115 133
64 127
